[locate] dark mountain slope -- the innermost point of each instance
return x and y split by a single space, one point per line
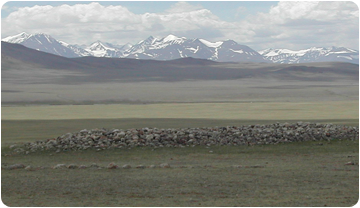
31 56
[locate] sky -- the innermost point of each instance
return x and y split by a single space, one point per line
257 24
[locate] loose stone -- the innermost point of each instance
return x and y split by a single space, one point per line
13 146
94 165
16 166
72 166
164 165
126 166
112 166
59 166
29 168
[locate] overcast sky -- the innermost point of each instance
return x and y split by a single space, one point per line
259 25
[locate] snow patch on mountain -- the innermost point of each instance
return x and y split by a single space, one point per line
172 38
210 44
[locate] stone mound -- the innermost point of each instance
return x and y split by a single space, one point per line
181 137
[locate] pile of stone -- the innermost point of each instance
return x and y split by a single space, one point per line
181 137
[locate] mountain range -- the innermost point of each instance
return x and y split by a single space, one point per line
314 54
173 47
29 65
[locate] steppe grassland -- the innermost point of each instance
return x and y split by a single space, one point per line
244 90
31 123
243 111
303 174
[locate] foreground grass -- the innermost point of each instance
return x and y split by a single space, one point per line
295 174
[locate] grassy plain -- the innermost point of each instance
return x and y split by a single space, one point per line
43 122
301 174
297 174
237 110
243 90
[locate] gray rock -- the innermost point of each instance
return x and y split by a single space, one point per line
13 146
16 166
126 166
72 166
29 168
164 165
18 150
82 167
94 165
112 166
59 166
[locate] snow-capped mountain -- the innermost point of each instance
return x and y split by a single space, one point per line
45 43
19 38
314 54
166 48
173 47
78 50
100 49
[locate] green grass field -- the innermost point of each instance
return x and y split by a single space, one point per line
295 174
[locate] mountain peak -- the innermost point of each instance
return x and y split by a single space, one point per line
17 38
147 41
41 34
98 42
101 49
150 38
23 33
97 45
170 38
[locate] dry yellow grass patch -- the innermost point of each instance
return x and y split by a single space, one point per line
244 111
